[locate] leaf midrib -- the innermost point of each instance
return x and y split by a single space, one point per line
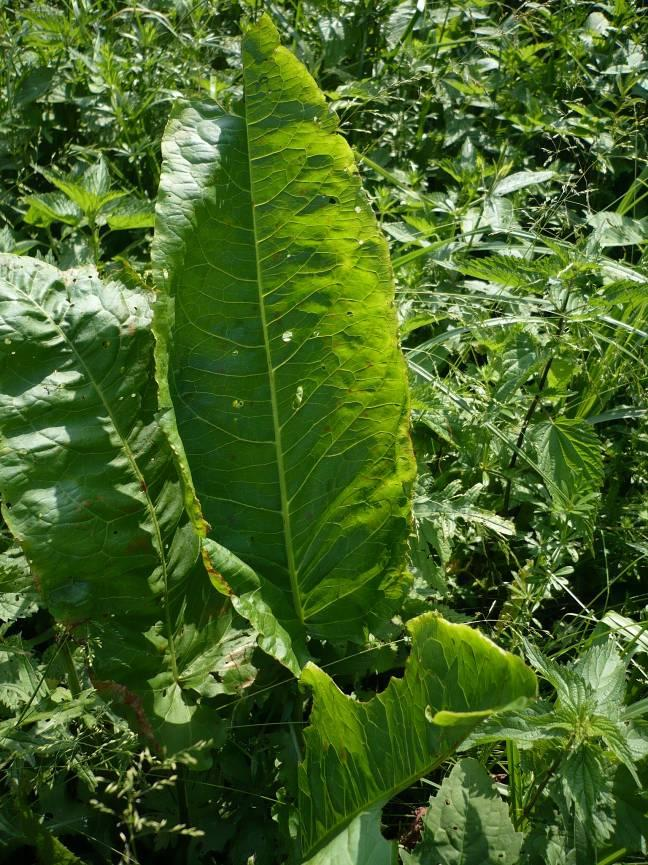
283 491
376 802
130 456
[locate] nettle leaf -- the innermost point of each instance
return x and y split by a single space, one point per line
603 669
19 678
360 755
467 823
568 453
91 492
49 207
126 213
89 190
276 328
587 788
18 595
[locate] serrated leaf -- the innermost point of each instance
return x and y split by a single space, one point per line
568 452
603 669
91 492
467 823
586 786
276 328
18 595
525 728
90 190
128 212
19 678
359 755
49 207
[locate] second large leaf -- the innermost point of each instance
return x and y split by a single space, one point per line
277 329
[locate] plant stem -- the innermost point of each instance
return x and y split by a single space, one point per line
515 787
532 408
617 856
538 790
74 683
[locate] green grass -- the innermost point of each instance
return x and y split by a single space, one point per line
504 149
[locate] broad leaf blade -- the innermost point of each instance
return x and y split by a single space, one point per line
90 489
359 755
275 324
361 843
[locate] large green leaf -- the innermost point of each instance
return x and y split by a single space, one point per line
359 755
91 492
277 332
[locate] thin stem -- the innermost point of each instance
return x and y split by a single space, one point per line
532 408
617 856
541 786
74 682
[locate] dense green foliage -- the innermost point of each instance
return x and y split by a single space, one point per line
503 149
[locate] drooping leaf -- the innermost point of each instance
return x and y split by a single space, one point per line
631 810
359 755
467 823
276 330
91 492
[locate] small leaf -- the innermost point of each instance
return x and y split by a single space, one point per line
49 207
89 190
604 671
520 180
128 212
18 595
568 453
613 229
33 85
467 823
